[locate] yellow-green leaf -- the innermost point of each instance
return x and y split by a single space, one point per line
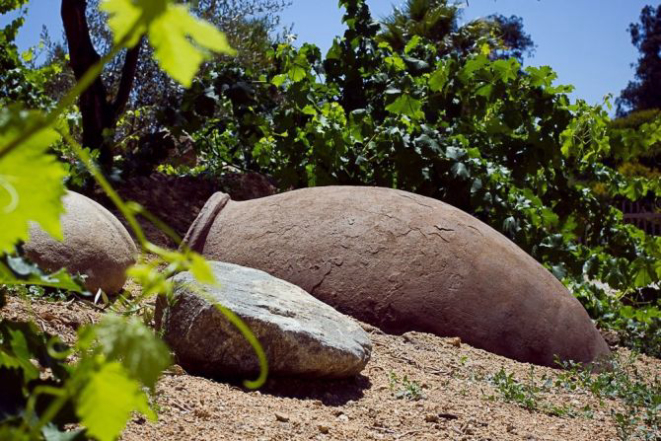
31 181
124 15
143 355
181 41
107 401
201 269
169 35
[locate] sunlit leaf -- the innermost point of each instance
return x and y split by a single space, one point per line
31 181
201 269
181 41
107 401
440 77
143 355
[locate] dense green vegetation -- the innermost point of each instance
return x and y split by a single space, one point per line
422 104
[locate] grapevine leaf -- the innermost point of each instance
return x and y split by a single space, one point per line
59 280
279 80
31 181
297 73
18 271
506 70
440 77
179 39
142 354
169 35
460 170
123 15
21 355
201 269
107 401
541 76
406 105
643 277
52 433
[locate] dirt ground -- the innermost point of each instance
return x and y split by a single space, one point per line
457 402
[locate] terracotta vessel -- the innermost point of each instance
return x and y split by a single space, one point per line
95 244
404 262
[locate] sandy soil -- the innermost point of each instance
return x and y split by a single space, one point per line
458 401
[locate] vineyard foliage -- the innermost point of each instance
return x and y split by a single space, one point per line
471 127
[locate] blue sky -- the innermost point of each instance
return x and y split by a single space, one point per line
585 41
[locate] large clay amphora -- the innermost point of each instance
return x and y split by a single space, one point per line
404 262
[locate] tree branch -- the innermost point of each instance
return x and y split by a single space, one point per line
97 112
81 50
128 76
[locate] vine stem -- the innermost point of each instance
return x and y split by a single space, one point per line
107 188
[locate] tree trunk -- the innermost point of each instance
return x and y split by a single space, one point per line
98 112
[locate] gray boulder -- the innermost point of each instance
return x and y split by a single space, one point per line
95 244
301 335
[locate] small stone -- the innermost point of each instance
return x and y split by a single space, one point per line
281 417
323 428
202 413
431 418
175 370
456 342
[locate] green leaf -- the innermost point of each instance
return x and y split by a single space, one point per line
31 181
643 277
279 80
20 355
472 66
107 401
541 76
169 35
440 77
25 273
179 39
126 16
201 270
297 73
143 355
413 43
52 433
406 105
459 170
309 110
396 62
506 70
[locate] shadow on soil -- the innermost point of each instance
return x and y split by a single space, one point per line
329 392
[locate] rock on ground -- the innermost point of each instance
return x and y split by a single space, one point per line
301 335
